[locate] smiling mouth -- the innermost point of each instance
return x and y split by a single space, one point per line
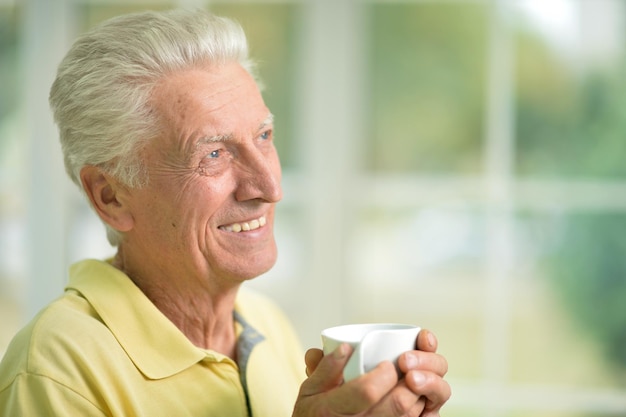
245 226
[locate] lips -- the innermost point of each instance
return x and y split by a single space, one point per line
245 226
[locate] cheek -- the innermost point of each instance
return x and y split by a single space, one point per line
167 209
197 195
207 199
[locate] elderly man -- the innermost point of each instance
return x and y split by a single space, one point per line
164 129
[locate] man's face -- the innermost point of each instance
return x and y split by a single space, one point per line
214 178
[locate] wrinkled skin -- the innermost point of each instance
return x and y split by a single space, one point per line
420 393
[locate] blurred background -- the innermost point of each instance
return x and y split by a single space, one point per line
457 164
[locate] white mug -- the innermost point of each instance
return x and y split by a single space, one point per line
372 343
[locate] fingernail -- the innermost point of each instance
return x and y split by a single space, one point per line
341 351
431 340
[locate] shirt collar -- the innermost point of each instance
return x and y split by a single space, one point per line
154 344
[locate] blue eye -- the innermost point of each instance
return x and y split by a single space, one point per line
214 154
266 135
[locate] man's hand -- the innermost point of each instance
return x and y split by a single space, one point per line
421 392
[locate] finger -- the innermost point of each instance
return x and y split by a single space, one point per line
312 358
328 373
424 361
362 393
400 401
426 341
436 390
418 409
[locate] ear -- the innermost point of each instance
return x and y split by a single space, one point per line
106 195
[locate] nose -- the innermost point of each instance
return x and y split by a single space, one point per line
260 177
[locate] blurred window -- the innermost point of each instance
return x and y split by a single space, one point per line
570 90
426 68
492 199
12 176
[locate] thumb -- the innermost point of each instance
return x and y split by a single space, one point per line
426 341
312 358
329 372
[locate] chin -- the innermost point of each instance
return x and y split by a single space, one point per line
260 271
259 266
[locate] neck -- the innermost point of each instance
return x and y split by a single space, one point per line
202 313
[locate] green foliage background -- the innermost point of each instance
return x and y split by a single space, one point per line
571 124
589 275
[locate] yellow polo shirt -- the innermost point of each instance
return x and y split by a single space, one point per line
103 349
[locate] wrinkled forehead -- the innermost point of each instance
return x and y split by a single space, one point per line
212 102
225 92
209 89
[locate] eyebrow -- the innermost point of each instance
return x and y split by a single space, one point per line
212 139
223 138
268 121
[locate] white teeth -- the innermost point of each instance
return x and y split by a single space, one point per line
246 226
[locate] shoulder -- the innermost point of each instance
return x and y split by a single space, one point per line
54 338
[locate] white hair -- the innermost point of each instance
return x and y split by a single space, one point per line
100 97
